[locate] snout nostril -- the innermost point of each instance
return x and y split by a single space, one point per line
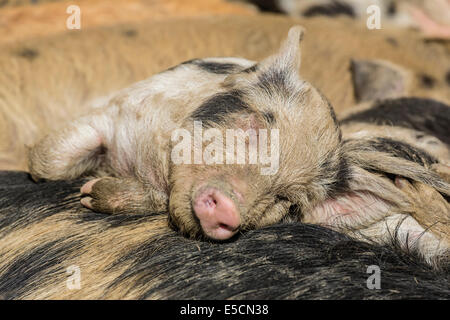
210 202
223 225
227 227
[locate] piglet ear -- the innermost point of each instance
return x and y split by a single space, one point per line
378 79
289 53
286 61
288 57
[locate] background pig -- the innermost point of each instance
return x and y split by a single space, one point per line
432 18
390 123
44 231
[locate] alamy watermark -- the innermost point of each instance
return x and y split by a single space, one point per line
374 18
374 280
191 150
74 20
73 281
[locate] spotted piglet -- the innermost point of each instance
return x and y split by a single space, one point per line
226 145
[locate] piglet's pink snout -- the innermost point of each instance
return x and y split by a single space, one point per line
218 215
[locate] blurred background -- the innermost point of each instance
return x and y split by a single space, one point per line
59 57
22 19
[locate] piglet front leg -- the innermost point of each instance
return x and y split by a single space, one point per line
122 195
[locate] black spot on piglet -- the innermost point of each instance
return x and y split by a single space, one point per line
217 67
251 69
403 150
269 117
216 108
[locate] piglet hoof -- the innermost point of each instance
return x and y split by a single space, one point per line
421 194
107 195
442 170
430 208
